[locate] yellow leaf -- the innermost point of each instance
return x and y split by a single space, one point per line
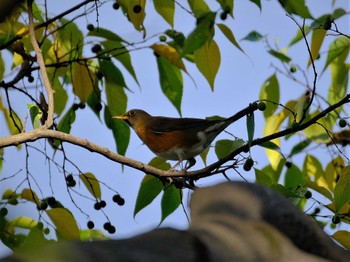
14 123
208 59
135 10
166 9
229 35
170 54
83 80
24 222
316 42
30 195
65 223
92 184
343 238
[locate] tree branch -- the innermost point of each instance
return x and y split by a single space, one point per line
40 59
197 174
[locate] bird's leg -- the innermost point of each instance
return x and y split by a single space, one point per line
175 166
190 163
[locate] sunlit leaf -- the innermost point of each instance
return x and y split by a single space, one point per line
342 237
71 40
270 91
299 36
35 115
224 147
83 80
340 79
318 132
24 222
229 35
342 189
320 189
253 36
171 200
202 34
171 82
65 223
338 48
60 95
30 195
135 10
318 36
332 171
92 184
166 8
169 53
297 7
2 67
14 123
208 59
198 7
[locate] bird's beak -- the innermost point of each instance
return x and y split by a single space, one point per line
122 117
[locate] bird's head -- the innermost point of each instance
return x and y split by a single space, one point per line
134 117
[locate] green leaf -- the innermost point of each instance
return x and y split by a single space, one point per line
14 123
225 146
136 18
65 223
297 7
339 12
262 178
203 33
92 184
171 200
342 189
250 127
66 122
119 52
229 35
253 36
2 67
171 82
208 59
313 168
282 57
338 48
299 36
166 8
299 148
150 188
271 145
270 91
107 34
71 39
198 7
339 84
343 238
294 177
116 104
227 5
60 95
257 2
35 115
318 36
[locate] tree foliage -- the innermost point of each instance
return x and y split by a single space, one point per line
95 69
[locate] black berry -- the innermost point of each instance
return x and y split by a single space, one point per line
111 229
342 123
97 206
262 106
3 211
90 224
137 9
90 27
308 194
30 79
116 6
98 107
96 48
52 202
103 203
119 200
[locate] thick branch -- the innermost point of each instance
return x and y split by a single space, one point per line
204 172
40 59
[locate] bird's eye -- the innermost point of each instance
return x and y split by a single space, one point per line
132 113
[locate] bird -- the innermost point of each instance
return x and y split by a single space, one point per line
175 138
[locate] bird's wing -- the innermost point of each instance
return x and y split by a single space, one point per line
164 124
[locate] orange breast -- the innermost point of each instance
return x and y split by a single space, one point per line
167 141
